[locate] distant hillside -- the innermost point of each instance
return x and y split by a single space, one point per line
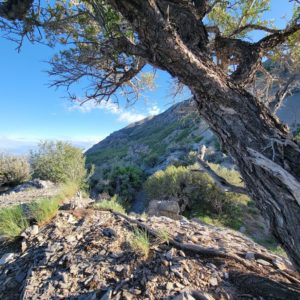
154 142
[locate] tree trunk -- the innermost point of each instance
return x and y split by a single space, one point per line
269 161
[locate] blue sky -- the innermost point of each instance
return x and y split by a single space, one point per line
31 111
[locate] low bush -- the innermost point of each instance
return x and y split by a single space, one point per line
151 160
59 162
205 199
12 221
297 135
13 170
176 182
67 190
122 181
272 245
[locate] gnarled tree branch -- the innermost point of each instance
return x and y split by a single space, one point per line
264 287
247 56
279 37
253 26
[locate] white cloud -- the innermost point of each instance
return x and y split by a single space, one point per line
127 116
154 110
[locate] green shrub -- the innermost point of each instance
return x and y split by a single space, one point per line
13 170
151 160
12 221
206 200
59 162
112 204
122 181
67 190
272 245
176 182
297 135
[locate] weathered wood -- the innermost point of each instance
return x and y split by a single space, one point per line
259 144
246 282
264 287
221 182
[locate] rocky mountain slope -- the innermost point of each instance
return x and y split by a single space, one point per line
154 142
86 254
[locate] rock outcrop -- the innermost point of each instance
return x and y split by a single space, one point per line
168 208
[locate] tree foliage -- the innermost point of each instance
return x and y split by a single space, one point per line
13 169
123 181
188 187
58 162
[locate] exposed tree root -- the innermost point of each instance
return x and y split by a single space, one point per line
264 287
247 282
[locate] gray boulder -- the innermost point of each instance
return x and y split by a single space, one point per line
168 208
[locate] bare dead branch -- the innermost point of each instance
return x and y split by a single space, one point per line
221 182
281 94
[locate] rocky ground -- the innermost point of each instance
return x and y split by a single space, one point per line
86 254
28 192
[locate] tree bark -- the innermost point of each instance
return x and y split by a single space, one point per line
260 145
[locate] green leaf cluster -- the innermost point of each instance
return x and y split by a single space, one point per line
59 162
230 15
